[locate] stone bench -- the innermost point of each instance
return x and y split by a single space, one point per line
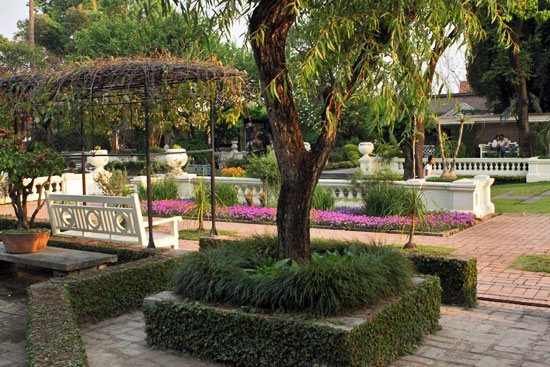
484 148
61 261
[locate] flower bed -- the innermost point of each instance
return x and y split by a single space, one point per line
350 219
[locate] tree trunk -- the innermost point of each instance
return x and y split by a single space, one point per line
418 171
520 88
31 23
300 170
410 245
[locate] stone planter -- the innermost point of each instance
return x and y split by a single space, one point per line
366 148
25 242
98 161
176 161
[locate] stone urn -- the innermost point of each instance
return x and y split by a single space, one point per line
176 158
307 146
98 162
366 148
24 242
234 146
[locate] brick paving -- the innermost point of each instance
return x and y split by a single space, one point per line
493 334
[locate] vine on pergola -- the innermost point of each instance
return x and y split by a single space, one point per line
104 94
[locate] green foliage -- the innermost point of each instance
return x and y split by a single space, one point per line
124 253
237 337
536 263
458 277
191 234
53 335
113 183
155 149
138 168
323 199
341 164
165 189
226 194
120 289
266 168
450 148
331 283
22 160
352 152
380 198
17 57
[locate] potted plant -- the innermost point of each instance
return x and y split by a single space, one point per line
24 160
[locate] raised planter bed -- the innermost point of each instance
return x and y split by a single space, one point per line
369 337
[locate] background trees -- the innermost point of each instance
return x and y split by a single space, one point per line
515 77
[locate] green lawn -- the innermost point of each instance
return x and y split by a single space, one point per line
430 250
192 234
538 263
521 189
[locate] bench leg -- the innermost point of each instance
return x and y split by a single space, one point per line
175 234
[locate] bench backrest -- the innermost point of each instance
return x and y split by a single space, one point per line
112 215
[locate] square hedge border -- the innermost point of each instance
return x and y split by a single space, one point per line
56 307
248 339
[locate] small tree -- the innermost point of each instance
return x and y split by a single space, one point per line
411 205
24 161
446 173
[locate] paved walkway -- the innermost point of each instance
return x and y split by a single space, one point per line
492 334
496 243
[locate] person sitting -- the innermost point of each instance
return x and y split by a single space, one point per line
428 168
495 145
504 146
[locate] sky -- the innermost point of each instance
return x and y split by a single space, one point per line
451 66
10 12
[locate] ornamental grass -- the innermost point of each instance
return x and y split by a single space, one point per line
245 273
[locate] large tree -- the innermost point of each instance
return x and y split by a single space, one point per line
516 76
352 38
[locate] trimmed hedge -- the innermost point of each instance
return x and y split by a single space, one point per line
124 253
249 339
56 306
458 277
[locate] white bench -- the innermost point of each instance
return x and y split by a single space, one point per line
106 218
484 148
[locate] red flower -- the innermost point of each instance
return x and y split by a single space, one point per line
40 156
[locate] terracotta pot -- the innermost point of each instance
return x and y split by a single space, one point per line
24 243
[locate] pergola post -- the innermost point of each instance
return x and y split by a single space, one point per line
213 231
83 147
148 169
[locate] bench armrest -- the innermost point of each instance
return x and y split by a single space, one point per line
157 221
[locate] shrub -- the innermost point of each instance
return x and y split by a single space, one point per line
342 164
166 189
113 183
380 198
155 149
241 338
352 152
330 283
139 168
323 199
266 168
226 194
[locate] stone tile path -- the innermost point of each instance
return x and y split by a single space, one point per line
13 319
493 334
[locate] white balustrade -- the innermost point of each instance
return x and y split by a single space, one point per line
57 185
534 169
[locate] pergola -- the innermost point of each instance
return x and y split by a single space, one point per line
105 82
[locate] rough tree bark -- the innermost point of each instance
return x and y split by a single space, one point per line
300 169
520 89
